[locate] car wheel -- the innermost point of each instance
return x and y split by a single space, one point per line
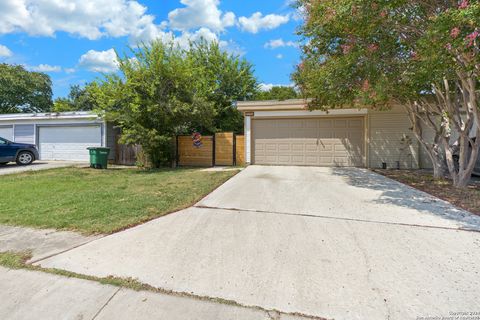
25 158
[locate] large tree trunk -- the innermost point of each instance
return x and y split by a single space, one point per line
420 117
451 103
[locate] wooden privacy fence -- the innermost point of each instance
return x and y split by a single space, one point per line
221 149
126 154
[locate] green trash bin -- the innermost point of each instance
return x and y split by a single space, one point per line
99 157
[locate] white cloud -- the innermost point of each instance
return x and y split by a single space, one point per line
278 43
69 70
279 56
258 22
203 33
5 52
99 61
269 86
90 19
200 13
232 47
228 19
46 68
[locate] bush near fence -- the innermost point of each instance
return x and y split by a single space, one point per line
222 149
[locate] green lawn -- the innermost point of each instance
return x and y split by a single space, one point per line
100 201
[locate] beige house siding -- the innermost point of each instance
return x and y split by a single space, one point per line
386 130
428 134
383 132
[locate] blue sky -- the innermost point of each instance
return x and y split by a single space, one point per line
72 40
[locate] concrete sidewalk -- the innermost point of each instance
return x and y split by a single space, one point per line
26 295
41 243
12 168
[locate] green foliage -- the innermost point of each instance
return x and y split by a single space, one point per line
370 52
277 93
24 91
165 90
78 99
225 78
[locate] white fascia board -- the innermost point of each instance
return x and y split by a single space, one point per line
47 116
45 121
315 113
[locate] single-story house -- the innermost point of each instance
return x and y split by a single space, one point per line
286 133
59 136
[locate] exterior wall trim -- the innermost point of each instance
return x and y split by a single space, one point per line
291 104
248 139
48 116
310 114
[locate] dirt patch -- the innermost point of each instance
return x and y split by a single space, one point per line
468 198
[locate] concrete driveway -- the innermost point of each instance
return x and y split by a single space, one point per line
37 166
331 243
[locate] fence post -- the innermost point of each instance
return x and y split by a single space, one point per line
234 149
213 149
177 160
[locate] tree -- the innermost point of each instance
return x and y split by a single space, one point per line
373 53
165 90
227 78
78 99
24 91
277 93
451 43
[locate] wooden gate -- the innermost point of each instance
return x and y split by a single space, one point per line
190 155
240 150
222 149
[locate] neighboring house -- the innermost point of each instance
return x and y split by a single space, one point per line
285 133
59 136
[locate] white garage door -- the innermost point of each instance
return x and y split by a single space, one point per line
68 143
6 132
313 142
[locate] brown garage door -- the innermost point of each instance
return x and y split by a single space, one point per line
311 142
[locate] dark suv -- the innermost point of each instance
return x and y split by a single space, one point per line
22 153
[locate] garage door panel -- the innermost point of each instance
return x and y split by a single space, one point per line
298 147
68 143
325 123
270 147
310 147
298 159
311 123
315 141
284 159
326 146
340 148
340 135
325 160
340 123
341 161
296 124
357 123
311 160
6 132
323 134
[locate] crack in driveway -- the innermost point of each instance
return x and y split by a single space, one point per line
309 215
